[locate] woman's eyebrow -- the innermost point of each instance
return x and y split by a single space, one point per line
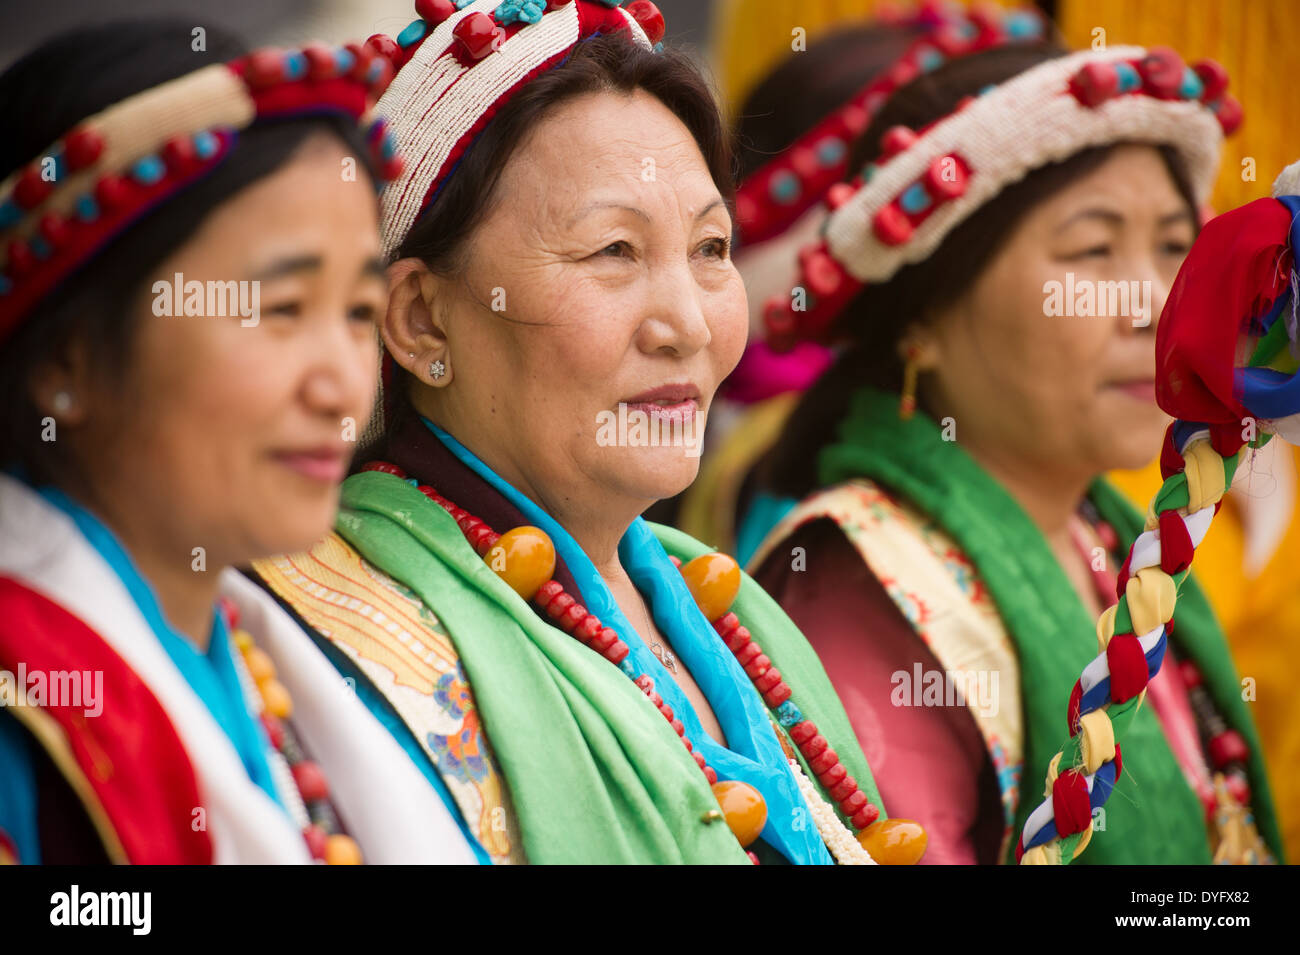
596 206
288 265
1092 212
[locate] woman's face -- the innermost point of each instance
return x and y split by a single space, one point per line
1033 375
232 433
599 280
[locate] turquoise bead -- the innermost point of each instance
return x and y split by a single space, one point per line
413 482
628 667
6 286
10 214
148 170
413 33
1020 26
784 187
915 199
787 714
831 152
1129 80
206 144
87 208
930 60
295 66
40 248
1192 87
344 60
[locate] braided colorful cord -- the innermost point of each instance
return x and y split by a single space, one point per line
1131 637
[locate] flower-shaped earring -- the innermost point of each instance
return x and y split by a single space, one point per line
437 369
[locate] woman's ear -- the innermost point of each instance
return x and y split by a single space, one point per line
61 386
412 328
921 345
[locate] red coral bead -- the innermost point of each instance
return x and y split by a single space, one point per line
178 153
768 680
726 623
54 229
822 274
31 188
321 64
814 747
689 747
310 780
895 140
839 194
1214 79
891 225
833 775
824 761
617 653
645 683
650 19
853 803
433 12
264 68
777 695
274 729
656 699
945 179
843 789
82 147
556 608
587 630
699 759
667 711
548 592
21 259
604 640
1238 788
1162 72
1228 747
570 619
386 46
317 840
363 55
737 639
710 774
748 652
757 666
478 34
384 467
1229 113
800 733
679 727
1094 84
865 816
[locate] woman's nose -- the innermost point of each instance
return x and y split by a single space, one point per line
675 319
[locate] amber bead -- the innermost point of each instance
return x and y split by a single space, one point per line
894 841
714 581
524 558
276 699
342 850
743 807
260 665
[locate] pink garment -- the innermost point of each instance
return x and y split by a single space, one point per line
929 762
764 373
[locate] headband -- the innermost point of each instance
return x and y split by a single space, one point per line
1239 279
927 182
773 197
118 165
460 63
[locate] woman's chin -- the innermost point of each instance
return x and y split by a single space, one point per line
658 473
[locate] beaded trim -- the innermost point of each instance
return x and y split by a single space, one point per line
774 196
925 183
64 206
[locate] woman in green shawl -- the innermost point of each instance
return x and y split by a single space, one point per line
994 273
563 307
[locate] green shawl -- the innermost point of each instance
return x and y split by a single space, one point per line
1153 816
595 774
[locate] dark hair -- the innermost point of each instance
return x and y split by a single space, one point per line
604 63
807 87
45 94
874 323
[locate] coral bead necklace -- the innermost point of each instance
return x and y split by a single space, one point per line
525 559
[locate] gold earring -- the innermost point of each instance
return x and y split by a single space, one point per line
907 402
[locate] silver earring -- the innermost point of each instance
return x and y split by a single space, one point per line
437 369
62 402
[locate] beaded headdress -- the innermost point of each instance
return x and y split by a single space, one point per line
114 167
926 182
460 63
773 197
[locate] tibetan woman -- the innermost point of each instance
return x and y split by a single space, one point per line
951 542
187 298
562 309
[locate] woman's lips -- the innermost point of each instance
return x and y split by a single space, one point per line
327 466
677 411
1138 390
